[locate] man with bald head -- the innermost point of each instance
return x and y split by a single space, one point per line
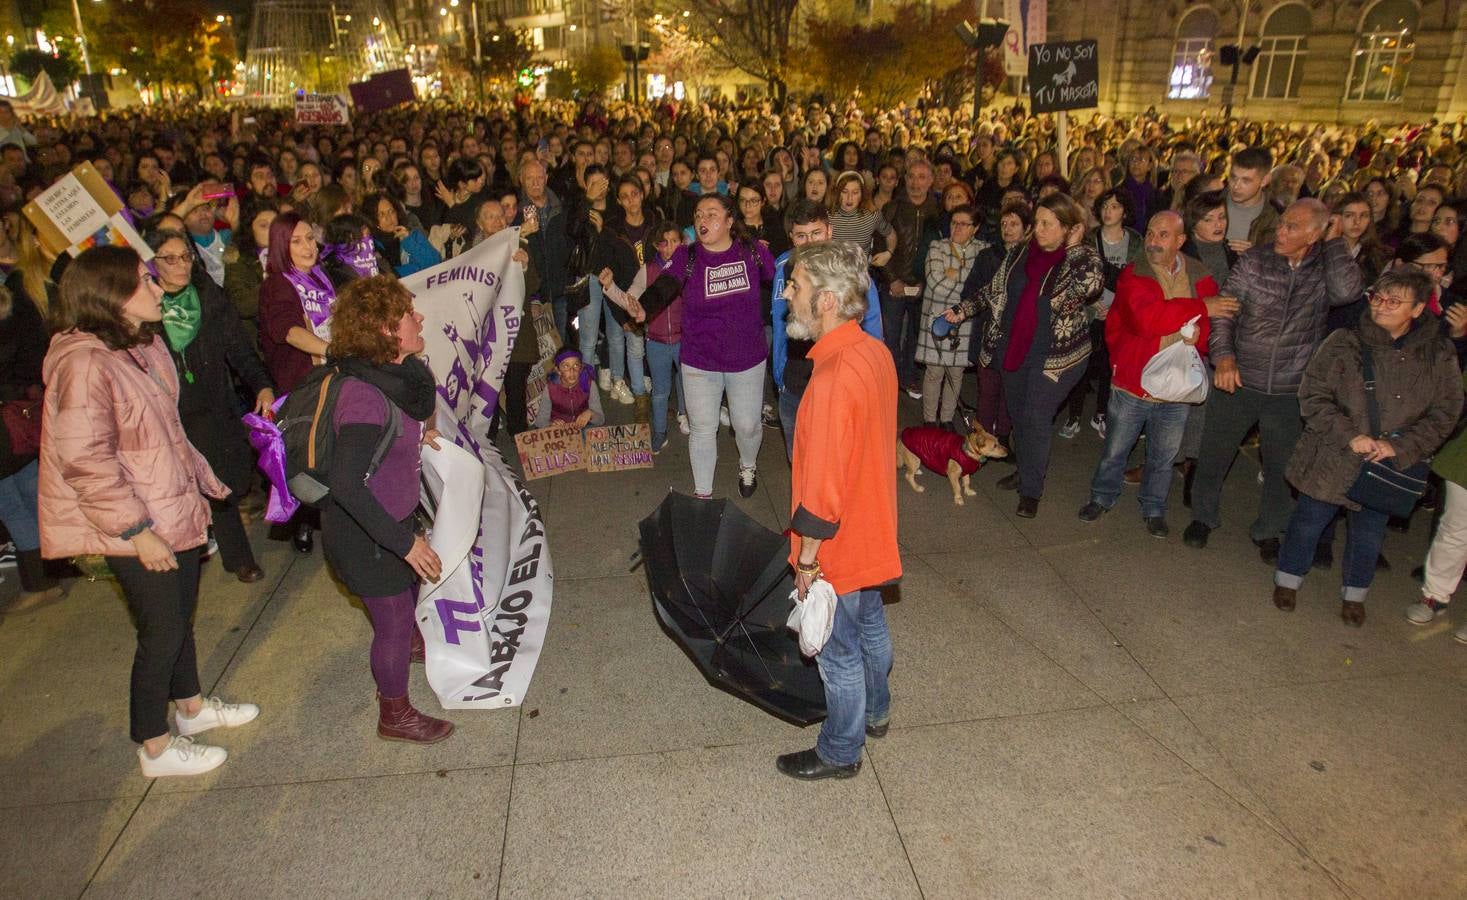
1156 296
1284 291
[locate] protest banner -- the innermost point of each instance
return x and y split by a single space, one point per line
551 451
321 109
80 211
483 623
615 448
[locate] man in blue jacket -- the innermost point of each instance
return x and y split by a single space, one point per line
809 223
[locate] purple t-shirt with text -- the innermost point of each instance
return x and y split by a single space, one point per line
723 319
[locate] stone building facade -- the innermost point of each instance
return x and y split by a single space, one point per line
1318 60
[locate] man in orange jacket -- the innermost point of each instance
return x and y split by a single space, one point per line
843 499
1155 297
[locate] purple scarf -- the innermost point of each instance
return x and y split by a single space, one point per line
360 256
317 295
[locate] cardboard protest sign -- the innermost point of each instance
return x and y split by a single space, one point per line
322 109
548 337
551 451
80 211
614 448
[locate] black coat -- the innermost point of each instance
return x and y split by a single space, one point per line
207 403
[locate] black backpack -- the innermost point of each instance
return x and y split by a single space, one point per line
306 426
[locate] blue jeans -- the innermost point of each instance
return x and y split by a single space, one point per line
854 664
1365 531
663 360
1125 417
590 324
899 317
703 390
18 507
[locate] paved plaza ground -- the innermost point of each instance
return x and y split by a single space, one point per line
1079 711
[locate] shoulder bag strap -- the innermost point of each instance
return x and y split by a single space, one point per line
1367 368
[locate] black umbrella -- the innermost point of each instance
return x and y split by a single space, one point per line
720 586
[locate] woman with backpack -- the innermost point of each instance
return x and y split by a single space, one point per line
119 478
368 528
207 341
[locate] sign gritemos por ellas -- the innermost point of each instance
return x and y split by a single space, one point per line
1063 75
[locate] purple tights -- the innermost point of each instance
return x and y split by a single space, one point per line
392 627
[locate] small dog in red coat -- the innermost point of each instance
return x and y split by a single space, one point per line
946 453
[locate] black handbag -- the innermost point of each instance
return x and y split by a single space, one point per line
1381 486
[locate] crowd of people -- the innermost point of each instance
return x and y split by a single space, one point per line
1316 269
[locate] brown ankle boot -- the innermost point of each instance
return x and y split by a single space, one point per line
398 721
1284 597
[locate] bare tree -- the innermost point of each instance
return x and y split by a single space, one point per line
750 35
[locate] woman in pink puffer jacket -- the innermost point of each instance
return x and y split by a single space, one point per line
119 478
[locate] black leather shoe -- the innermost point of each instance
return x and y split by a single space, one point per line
808 766
878 731
1028 507
1156 526
1196 535
1092 511
1268 550
1009 482
1284 598
304 541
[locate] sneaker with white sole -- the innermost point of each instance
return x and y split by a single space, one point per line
647 384
1097 422
215 713
8 556
1423 611
723 417
603 378
182 757
1460 635
682 424
1070 429
621 393
748 480
769 416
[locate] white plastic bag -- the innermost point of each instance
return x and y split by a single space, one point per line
814 618
1176 373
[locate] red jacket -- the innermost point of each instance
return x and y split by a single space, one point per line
1141 316
935 446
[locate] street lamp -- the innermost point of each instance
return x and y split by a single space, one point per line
81 38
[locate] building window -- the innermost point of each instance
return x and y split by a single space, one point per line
1383 52
1282 47
553 37
1191 76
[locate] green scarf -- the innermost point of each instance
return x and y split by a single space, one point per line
181 316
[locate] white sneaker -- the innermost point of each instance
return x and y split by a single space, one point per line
1461 634
1424 610
621 393
214 714
1097 422
723 417
211 549
682 423
183 757
603 378
647 383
